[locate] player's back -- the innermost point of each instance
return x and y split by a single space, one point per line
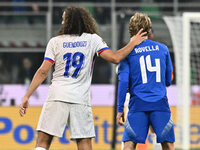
73 56
148 65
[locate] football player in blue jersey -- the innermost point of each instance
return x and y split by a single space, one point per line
146 71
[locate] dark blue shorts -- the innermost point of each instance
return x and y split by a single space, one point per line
137 126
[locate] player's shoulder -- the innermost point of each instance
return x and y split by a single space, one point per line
161 45
95 36
89 35
55 38
156 42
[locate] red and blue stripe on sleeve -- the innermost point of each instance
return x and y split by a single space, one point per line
103 49
49 59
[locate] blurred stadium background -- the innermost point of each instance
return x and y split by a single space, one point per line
25 28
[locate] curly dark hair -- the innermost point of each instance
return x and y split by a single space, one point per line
78 20
138 21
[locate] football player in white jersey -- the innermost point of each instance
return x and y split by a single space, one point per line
68 101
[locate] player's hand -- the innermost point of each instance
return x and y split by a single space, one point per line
23 106
119 116
139 37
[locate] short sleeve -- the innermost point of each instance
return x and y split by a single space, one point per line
50 52
99 44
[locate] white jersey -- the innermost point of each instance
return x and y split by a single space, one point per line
74 58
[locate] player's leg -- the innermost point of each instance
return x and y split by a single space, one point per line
81 126
43 141
129 145
164 129
167 145
135 129
84 144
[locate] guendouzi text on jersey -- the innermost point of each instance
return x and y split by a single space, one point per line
74 44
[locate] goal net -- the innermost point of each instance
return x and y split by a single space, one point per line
185 34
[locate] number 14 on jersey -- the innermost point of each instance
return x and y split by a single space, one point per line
149 68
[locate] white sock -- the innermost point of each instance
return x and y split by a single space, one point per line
39 148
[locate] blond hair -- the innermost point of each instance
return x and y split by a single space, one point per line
138 21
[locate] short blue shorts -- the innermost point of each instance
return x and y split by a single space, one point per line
137 126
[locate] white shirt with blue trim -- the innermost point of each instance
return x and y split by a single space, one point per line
74 59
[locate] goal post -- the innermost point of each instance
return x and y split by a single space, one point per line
185 34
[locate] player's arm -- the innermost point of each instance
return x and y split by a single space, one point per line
169 70
40 75
123 77
116 57
38 78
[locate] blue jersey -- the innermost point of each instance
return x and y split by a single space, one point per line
146 71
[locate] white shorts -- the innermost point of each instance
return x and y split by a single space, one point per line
56 115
